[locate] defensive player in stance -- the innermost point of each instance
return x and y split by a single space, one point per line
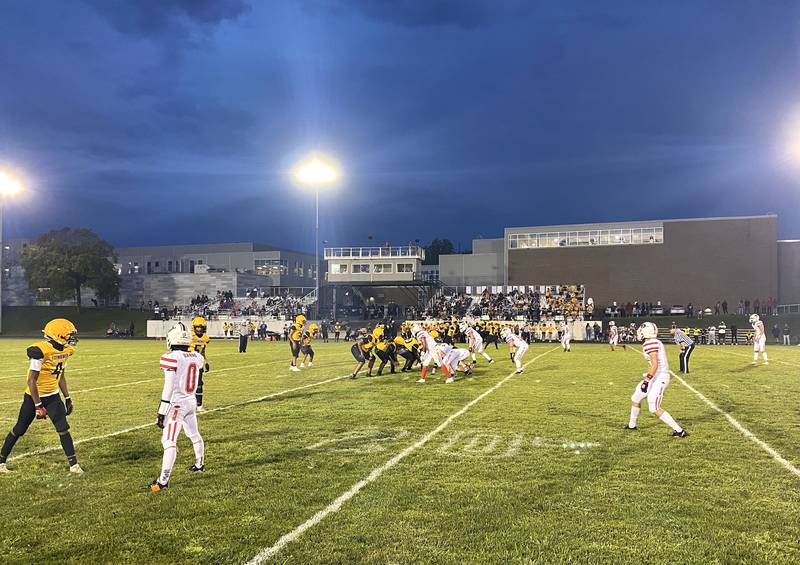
200 341
178 409
428 351
654 381
759 339
362 352
566 336
48 361
516 347
295 337
305 345
613 335
474 342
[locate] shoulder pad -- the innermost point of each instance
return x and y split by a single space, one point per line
34 352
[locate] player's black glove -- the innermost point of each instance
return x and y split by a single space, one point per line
645 384
160 420
207 368
68 404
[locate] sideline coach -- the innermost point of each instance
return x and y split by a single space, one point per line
244 335
687 346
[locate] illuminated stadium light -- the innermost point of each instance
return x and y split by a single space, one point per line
9 185
316 171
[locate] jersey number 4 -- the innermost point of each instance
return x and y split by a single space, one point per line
58 370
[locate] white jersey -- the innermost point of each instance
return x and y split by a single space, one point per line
758 328
474 339
612 332
181 375
443 349
653 345
426 340
566 331
515 340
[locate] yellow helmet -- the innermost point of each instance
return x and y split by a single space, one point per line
377 333
312 328
434 334
199 325
61 331
300 319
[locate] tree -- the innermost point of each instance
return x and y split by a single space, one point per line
62 261
436 248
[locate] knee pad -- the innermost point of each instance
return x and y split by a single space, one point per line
167 443
652 409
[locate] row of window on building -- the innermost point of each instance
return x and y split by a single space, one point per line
627 236
280 267
377 268
151 267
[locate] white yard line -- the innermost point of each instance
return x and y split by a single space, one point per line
772 360
744 431
203 414
269 552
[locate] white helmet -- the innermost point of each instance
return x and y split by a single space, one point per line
463 325
415 329
647 330
178 335
505 332
754 318
612 323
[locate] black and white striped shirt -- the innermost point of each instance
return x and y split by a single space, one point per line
681 338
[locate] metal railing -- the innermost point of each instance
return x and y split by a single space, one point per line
411 251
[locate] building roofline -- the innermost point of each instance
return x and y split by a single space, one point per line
254 247
638 222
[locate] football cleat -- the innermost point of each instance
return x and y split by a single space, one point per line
197 469
631 429
4 469
293 368
352 377
302 365
422 381
681 433
448 380
310 364
155 486
491 361
76 469
519 371
201 409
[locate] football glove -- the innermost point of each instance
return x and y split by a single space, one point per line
41 412
644 385
207 368
68 404
160 420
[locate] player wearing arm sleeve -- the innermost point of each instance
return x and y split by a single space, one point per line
48 360
295 336
654 382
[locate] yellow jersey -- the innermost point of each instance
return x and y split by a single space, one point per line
199 343
51 364
296 332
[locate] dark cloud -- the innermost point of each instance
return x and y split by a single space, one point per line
156 17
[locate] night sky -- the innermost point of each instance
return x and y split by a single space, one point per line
176 121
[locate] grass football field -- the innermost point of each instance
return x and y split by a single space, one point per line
312 467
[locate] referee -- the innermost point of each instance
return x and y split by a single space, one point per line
244 335
687 346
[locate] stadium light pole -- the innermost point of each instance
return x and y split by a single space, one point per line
317 172
10 186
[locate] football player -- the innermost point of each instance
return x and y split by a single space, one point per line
295 336
516 346
474 342
199 344
428 351
386 351
177 411
613 335
566 336
759 339
454 359
654 381
48 360
305 344
362 352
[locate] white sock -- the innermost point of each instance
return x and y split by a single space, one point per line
518 363
668 420
765 356
199 451
755 357
474 358
486 355
168 461
634 416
